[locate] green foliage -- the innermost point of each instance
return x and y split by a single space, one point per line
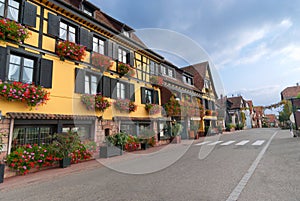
119 139
286 112
13 31
176 129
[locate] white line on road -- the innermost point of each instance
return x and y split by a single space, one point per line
215 143
228 143
202 143
241 185
242 142
258 142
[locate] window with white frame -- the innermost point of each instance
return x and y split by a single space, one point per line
206 84
152 67
121 90
10 9
122 55
20 69
163 70
67 32
148 96
187 80
90 86
170 72
98 45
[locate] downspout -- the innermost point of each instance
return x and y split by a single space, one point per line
11 129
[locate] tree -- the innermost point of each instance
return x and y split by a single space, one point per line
286 112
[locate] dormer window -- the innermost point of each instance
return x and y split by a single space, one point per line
126 33
88 12
187 80
206 84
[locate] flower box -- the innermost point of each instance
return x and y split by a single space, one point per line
101 62
156 80
28 93
125 69
95 102
110 151
125 105
152 109
11 30
70 50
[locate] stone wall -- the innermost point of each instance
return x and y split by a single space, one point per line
103 128
4 129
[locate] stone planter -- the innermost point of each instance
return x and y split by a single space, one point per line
176 139
109 151
65 162
2 167
144 146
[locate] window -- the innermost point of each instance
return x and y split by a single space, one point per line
163 70
10 9
149 96
90 86
20 69
126 33
120 90
187 80
32 135
122 55
67 32
98 45
86 11
170 72
152 68
206 84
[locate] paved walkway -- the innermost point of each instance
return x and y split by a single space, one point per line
44 175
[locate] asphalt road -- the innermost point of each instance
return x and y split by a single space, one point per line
256 164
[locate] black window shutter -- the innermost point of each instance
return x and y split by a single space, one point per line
155 97
115 51
46 69
106 87
53 25
89 46
29 14
131 92
79 80
143 98
3 56
109 48
131 58
100 85
84 38
113 88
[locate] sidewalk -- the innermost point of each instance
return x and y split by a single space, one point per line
44 175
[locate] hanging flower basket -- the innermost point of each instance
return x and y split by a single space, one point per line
152 109
172 107
124 69
101 62
156 80
95 102
12 30
125 105
27 93
70 50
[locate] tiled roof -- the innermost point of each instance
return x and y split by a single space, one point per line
235 102
41 116
290 92
259 110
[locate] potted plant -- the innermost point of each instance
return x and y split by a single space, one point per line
193 134
2 165
113 145
63 145
146 134
123 69
176 131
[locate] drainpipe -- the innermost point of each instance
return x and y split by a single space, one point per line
11 129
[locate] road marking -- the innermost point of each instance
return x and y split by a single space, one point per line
242 142
235 194
258 142
215 143
202 143
228 143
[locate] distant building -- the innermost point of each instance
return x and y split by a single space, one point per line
271 120
290 92
238 111
258 115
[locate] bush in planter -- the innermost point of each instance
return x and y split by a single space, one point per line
132 143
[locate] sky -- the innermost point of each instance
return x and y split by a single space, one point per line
253 44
